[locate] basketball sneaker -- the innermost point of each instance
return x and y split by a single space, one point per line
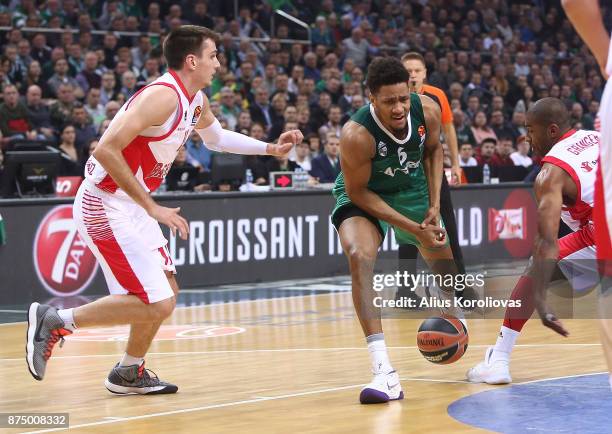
45 328
383 388
490 371
134 379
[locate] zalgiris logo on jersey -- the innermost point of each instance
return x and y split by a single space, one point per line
63 262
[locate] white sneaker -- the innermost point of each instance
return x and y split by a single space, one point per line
383 388
490 371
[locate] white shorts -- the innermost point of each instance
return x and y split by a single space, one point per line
578 258
127 242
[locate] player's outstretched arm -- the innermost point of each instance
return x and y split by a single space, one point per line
356 152
586 17
549 195
218 139
432 159
153 106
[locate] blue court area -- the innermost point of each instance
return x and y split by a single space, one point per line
577 404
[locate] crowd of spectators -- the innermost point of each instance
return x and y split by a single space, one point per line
493 59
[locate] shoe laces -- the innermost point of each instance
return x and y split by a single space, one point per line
147 374
56 335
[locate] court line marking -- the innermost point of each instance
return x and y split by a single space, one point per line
12 311
263 399
228 404
284 350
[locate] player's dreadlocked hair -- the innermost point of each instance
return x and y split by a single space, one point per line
384 71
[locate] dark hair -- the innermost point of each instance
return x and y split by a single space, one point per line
184 41
489 139
385 71
413 55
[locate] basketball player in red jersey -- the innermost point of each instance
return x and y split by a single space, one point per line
586 17
117 217
564 189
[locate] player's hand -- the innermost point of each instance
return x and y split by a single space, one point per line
455 175
432 217
285 143
548 318
431 236
171 218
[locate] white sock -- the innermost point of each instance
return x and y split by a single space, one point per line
67 315
505 343
378 353
128 360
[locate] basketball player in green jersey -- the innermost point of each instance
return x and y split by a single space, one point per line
391 160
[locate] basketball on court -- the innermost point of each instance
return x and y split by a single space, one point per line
442 340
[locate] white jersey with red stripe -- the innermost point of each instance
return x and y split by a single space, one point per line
150 154
577 153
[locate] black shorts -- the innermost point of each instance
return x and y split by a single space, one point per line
351 210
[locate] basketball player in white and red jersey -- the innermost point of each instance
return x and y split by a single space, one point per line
564 189
586 17
117 217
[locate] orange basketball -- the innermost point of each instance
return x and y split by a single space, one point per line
443 339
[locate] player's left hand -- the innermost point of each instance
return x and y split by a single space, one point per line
548 318
431 218
286 142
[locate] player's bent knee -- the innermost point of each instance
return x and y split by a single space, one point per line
164 308
360 256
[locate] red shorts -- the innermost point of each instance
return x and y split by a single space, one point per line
127 242
578 259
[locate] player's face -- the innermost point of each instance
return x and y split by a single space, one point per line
207 64
537 136
417 72
392 104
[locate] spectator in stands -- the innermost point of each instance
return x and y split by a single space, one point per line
319 113
311 70
260 110
88 150
466 155
14 122
280 164
357 48
279 104
71 161
39 114
149 73
499 124
321 33
486 151
503 149
108 92
200 15
481 129
141 52
244 123
83 126
34 77
333 124
520 157
518 124
93 107
128 84
61 110
60 77
90 76
302 156
325 167
103 126
111 109
197 153
357 101
464 132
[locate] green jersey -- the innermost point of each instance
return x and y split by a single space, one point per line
398 175
397 164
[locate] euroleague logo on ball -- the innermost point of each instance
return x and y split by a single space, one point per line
63 262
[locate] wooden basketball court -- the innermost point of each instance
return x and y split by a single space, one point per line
283 364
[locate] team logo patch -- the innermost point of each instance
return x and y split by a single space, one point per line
196 114
587 166
382 149
63 262
421 130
